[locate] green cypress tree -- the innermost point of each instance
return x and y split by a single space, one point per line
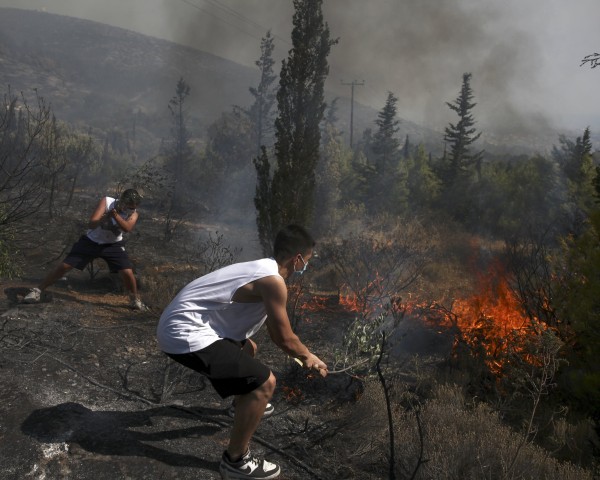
582 179
578 306
301 106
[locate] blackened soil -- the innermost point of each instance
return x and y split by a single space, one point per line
86 394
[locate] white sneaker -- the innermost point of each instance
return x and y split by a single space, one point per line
137 304
269 409
249 466
34 296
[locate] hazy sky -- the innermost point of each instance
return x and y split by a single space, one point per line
524 55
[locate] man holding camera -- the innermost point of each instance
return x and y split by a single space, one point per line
104 239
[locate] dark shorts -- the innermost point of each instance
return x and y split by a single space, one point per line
84 251
230 370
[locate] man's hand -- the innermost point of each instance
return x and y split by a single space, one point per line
106 221
312 362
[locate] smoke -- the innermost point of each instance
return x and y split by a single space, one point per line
524 56
416 49
422 53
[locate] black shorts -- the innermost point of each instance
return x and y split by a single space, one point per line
84 251
230 370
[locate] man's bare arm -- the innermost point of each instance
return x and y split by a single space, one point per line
102 217
125 225
99 214
274 295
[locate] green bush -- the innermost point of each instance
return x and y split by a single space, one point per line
8 268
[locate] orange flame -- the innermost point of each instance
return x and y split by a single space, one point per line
317 303
351 302
493 321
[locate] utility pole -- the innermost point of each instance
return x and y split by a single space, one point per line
352 84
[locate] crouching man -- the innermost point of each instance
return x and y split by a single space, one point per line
208 325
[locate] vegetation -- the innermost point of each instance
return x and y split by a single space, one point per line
460 240
261 111
457 167
178 150
300 110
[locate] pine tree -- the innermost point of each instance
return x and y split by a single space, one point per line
459 163
596 184
462 135
388 191
578 304
385 144
581 171
301 106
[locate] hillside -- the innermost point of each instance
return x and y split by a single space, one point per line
89 71
107 77
82 66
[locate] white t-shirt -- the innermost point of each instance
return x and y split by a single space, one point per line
203 312
103 235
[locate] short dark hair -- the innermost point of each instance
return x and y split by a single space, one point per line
291 240
131 196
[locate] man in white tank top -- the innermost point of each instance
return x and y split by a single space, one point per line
208 325
110 220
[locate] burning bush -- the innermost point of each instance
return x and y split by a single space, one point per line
374 267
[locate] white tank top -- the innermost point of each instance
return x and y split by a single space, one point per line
103 235
203 312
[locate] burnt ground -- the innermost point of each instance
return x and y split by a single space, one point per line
86 394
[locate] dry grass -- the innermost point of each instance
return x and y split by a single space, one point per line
470 442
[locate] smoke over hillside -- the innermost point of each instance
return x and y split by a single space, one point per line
524 56
419 51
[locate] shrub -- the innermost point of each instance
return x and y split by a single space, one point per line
470 442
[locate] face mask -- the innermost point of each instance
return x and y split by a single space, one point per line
300 272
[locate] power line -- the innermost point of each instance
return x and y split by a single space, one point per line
212 14
231 13
245 19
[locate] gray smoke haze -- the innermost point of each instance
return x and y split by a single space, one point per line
422 54
524 55
416 49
